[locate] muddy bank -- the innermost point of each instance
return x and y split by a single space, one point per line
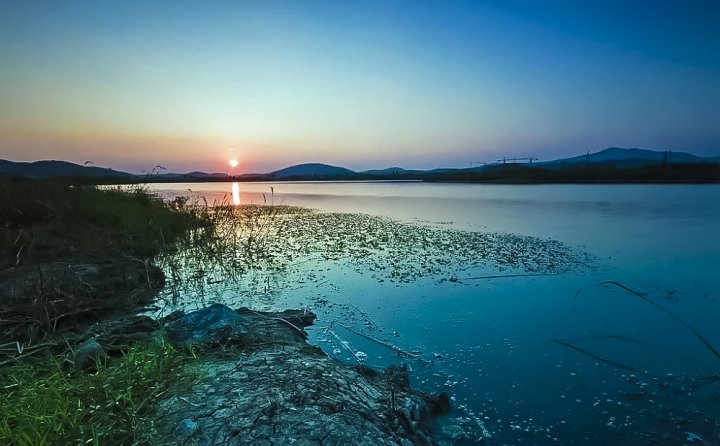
256 381
43 299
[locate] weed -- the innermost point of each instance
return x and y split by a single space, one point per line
43 404
70 255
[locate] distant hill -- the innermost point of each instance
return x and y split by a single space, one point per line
195 175
204 174
312 170
634 157
388 171
53 169
613 164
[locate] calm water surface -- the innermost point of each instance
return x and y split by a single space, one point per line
489 343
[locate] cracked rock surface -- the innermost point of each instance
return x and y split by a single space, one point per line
270 387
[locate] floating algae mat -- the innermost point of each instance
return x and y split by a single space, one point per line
489 317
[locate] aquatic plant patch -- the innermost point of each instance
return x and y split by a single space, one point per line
273 238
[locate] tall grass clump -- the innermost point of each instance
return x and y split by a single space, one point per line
236 239
42 403
50 220
71 254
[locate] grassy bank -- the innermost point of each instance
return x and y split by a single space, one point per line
48 220
72 255
42 403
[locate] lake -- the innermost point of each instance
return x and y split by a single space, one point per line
612 345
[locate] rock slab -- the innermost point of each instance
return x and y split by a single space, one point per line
274 388
215 324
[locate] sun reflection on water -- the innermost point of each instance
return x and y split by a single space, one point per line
236 193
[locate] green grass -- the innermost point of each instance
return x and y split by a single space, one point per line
53 235
41 403
51 231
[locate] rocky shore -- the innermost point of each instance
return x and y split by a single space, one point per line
256 381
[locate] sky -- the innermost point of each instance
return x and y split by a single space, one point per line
360 84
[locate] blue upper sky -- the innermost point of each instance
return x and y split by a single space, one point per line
361 84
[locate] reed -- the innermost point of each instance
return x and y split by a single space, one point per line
71 254
593 355
661 308
666 311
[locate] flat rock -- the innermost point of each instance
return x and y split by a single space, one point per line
87 355
212 325
274 388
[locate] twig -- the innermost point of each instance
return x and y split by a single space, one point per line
677 318
188 401
593 355
299 330
16 358
345 345
17 257
618 338
383 343
503 276
27 348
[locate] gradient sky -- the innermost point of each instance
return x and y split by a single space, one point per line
362 84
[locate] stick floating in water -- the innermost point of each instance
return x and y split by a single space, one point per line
593 355
665 310
346 346
383 343
504 276
619 338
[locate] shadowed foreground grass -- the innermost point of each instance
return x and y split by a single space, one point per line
42 403
71 255
52 220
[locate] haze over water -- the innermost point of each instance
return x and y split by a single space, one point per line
489 342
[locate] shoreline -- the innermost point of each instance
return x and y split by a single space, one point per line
81 333
259 382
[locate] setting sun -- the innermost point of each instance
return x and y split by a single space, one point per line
233 163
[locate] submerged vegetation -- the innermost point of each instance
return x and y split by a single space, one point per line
275 238
264 255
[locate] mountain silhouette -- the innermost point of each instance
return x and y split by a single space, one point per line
53 169
311 170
